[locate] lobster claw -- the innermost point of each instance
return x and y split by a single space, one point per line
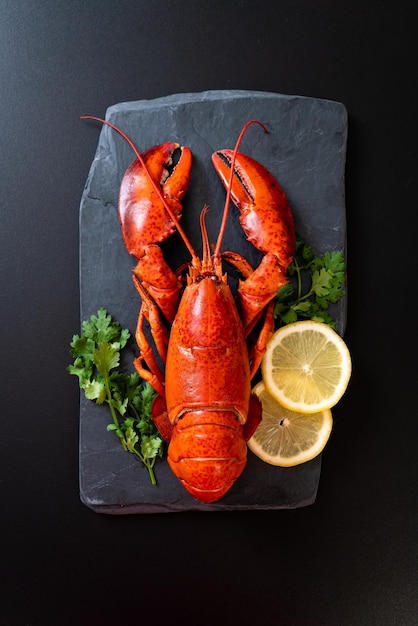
265 214
143 217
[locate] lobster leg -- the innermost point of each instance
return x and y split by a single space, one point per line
160 418
259 347
254 417
259 287
159 281
149 310
153 374
253 307
149 210
266 219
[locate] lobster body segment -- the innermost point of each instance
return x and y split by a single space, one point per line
207 359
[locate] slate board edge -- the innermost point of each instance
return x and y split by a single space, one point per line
213 94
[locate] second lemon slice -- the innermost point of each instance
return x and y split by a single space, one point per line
287 438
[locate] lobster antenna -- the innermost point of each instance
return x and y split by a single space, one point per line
205 239
231 177
154 184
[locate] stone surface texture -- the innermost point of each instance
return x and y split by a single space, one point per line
305 150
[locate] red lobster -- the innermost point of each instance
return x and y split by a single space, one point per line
204 408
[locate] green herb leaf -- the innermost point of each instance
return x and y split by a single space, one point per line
96 356
321 282
317 282
106 357
83 369
150 447
95 390
131 439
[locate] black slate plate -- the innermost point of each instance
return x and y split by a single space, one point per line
305 150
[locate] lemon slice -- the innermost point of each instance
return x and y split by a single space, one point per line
306 367
287 438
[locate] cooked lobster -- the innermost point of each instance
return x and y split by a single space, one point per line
208 344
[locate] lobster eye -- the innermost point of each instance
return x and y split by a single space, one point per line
210 276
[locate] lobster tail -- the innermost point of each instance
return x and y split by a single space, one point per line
207 452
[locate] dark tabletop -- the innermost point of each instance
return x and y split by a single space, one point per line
351 557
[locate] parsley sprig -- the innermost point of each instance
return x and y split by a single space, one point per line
96 359
317 282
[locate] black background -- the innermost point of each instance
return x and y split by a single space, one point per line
351 558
